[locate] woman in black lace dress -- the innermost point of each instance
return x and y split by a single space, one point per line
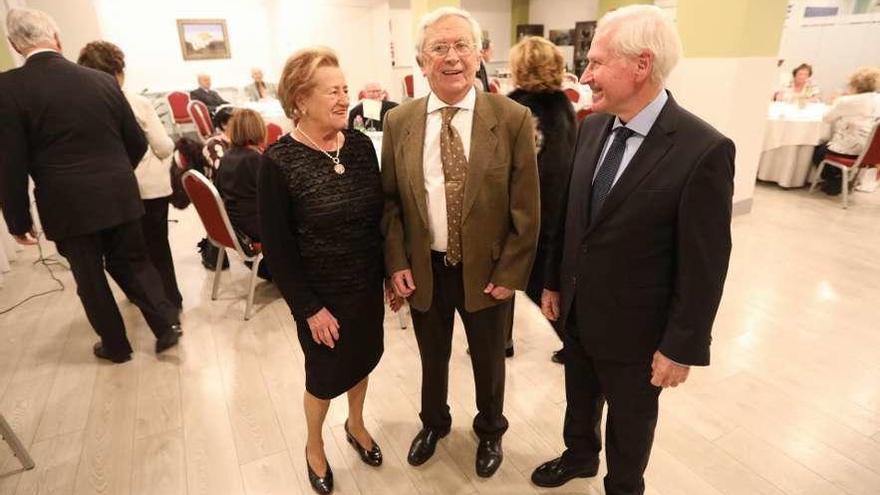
320 202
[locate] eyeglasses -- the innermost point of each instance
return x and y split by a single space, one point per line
462 48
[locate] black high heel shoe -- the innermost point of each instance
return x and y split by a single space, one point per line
372 457
322 485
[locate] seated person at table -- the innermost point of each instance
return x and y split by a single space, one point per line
216 146
236 178
206 95
374 99
852 117
800 88
259 89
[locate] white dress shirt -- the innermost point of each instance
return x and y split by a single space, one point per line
435 183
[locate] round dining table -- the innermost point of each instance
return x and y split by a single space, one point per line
790 137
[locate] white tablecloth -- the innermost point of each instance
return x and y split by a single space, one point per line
790 135
271 111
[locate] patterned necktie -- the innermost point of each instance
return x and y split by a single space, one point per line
454 172
608 170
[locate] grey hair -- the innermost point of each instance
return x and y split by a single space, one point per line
638 28
28 28
432 17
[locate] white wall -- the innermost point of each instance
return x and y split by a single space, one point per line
147 33
834 46
494 17
562 14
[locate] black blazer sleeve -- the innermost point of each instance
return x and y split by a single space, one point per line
556 241
704 243
279 242
14 164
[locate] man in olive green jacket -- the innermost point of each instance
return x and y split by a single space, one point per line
461 224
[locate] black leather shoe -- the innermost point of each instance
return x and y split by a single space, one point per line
169 339
372 457
423 446
555 473
102 353
558 357
489 457
322 485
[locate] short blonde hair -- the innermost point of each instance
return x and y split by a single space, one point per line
537 65
246 128
865 80
637 28
297 77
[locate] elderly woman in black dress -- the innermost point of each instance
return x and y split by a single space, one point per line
320 201
537 67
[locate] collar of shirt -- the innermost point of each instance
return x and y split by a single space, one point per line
466 103
644 120
41 50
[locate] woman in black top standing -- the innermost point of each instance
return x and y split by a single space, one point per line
320 206
537 68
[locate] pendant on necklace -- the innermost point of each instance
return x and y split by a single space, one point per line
339 168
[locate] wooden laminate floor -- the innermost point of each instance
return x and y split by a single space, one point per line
790 405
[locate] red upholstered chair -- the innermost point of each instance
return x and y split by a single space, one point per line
572 95
408 88
570 78
177 102
361 95
494 86
200 115
582 113
849 167
273 133
211 210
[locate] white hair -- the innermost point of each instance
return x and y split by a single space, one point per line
28 28
432 17
635 29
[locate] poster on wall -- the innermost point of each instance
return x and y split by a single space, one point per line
203 39
583 37
561 37
523 30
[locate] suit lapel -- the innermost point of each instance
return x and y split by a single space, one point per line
483 144
413 156
593 137
655 146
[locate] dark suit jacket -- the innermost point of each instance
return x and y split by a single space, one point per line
500 215
358 110
555 133
72 130
648 274
209 97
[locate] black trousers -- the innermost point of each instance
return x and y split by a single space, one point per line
155 226
485 330
534 289
632 415
122 251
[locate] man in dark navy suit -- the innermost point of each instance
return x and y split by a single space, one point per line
645 251
72 131
206 95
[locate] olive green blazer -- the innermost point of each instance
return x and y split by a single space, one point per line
500 217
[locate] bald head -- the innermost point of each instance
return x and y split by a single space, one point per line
204 81
257 75
373 91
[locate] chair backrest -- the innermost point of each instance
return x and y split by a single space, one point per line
572 94
177 102
199 114
273 132
871 155
361 95
212 212
569 77
583 113
408 88
494 86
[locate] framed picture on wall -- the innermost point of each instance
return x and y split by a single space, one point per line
583 38
523 30
561 37
203 39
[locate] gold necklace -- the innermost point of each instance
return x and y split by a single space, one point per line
338 167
